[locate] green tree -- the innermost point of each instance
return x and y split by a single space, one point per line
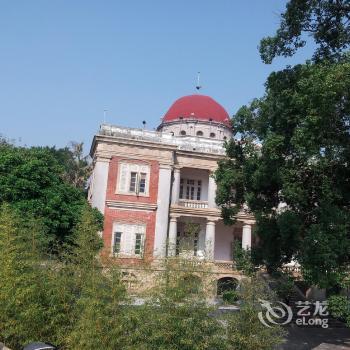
102 310
177 315
291 166
326 21
32 180
22 276
244 329
77 167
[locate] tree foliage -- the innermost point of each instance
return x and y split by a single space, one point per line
291 166
22 297
326 21
33 180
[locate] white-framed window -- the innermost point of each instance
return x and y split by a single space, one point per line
133 178
190 189
128 240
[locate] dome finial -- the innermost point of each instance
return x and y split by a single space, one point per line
198 86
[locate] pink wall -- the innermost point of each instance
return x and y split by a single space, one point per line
224 236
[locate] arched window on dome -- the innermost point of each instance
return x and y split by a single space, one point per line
212 135
199 133
182 132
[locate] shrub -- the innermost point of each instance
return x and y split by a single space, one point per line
230 297
339 307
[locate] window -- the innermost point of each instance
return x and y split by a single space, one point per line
190 189
128 239
117 240
199 189
225 138
199 133
212 135
182 132
133 179
138 243
195 244
142 183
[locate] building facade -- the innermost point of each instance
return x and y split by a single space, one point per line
157 193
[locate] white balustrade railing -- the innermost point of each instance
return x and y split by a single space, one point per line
188 203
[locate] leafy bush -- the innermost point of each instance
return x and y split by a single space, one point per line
244 329
339 307
230 297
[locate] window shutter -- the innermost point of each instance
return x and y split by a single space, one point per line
123 177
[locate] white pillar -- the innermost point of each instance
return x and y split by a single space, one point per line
247 236
163 200
210 240
172 236
211 192
176 187
98 186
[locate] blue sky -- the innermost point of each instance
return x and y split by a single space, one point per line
63 62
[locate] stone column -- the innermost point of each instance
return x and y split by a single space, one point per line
162 216
172 236
210 240
211 192
247 236
176 187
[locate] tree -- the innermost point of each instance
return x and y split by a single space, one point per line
326 21
77 167
291 166
22 296
244 329
32 180
177 315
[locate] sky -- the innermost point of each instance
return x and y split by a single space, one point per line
63 62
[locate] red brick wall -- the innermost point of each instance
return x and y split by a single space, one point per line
113 177
147 218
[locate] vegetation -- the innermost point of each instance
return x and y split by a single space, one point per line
35 181
244 329
326 21
290 160
339 307
73 301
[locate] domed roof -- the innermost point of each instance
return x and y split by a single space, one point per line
199 107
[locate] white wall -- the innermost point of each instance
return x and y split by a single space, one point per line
98 185
223 241
192 128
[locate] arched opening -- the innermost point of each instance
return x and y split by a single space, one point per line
212 135
226 284
199 133
182 132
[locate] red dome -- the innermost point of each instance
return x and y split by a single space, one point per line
198 107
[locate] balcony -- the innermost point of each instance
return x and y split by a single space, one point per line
193 204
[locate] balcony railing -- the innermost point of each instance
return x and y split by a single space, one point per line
188 203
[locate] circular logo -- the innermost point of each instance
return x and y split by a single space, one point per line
277 313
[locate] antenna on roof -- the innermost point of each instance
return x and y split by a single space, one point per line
198 86
104 116
144 124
